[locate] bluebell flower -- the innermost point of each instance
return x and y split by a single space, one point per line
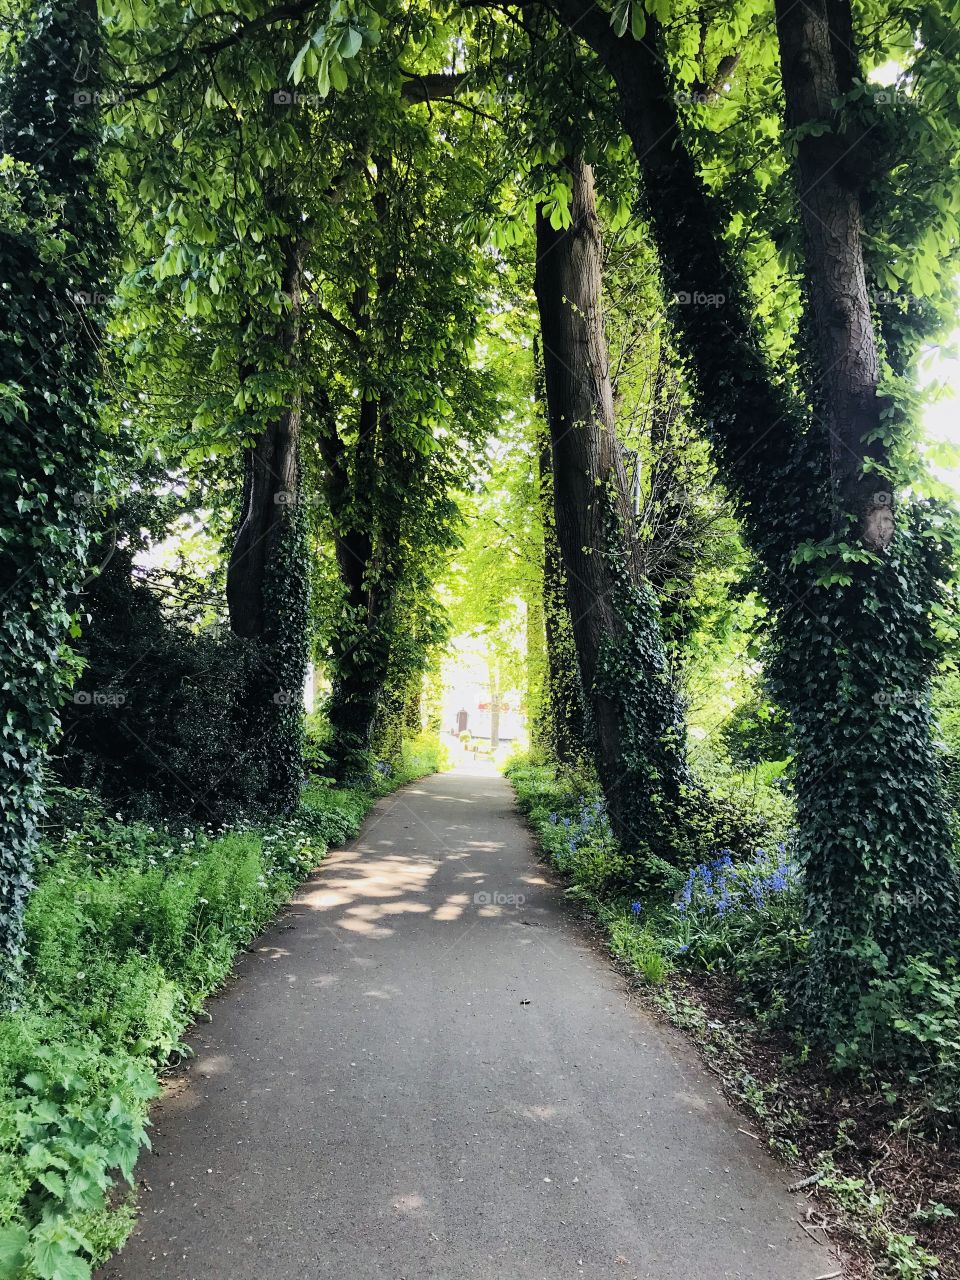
684 947
756 892
566 822
636 907
552 818
777 882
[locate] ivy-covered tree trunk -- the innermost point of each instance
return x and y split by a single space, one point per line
267 576
361 644
569 739
635 713
852 644
55 255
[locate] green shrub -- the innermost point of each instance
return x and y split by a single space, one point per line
70 1115
911 1019
165 718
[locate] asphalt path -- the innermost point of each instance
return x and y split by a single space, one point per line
427 1070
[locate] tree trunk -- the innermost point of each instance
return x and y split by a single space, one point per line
495 696
569 736
52 447
815 72
361 644
270 481
637 720
268 576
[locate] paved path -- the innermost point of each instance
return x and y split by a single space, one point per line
406 1084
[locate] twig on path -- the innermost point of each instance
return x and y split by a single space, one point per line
810 1231
806 1182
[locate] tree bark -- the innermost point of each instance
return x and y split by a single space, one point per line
271 480
361 645
816 69
636 717
565 710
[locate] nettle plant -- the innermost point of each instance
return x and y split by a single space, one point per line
74 1130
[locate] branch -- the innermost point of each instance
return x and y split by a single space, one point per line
317 308
439 85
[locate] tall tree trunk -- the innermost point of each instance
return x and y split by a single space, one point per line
636 715
52 491
267 576
271 480
361 644
816 70
569 736
495 698
851 662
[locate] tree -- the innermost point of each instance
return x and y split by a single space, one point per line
852 648
636 716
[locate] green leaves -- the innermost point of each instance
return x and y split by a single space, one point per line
633 14
325 55
14 1242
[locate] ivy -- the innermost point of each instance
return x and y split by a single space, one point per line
55 246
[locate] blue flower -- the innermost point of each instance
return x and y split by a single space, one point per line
552 818
756 892
566 822
684 947
636 907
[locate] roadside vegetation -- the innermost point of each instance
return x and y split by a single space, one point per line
130 927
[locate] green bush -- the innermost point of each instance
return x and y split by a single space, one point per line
911 1018
164 718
